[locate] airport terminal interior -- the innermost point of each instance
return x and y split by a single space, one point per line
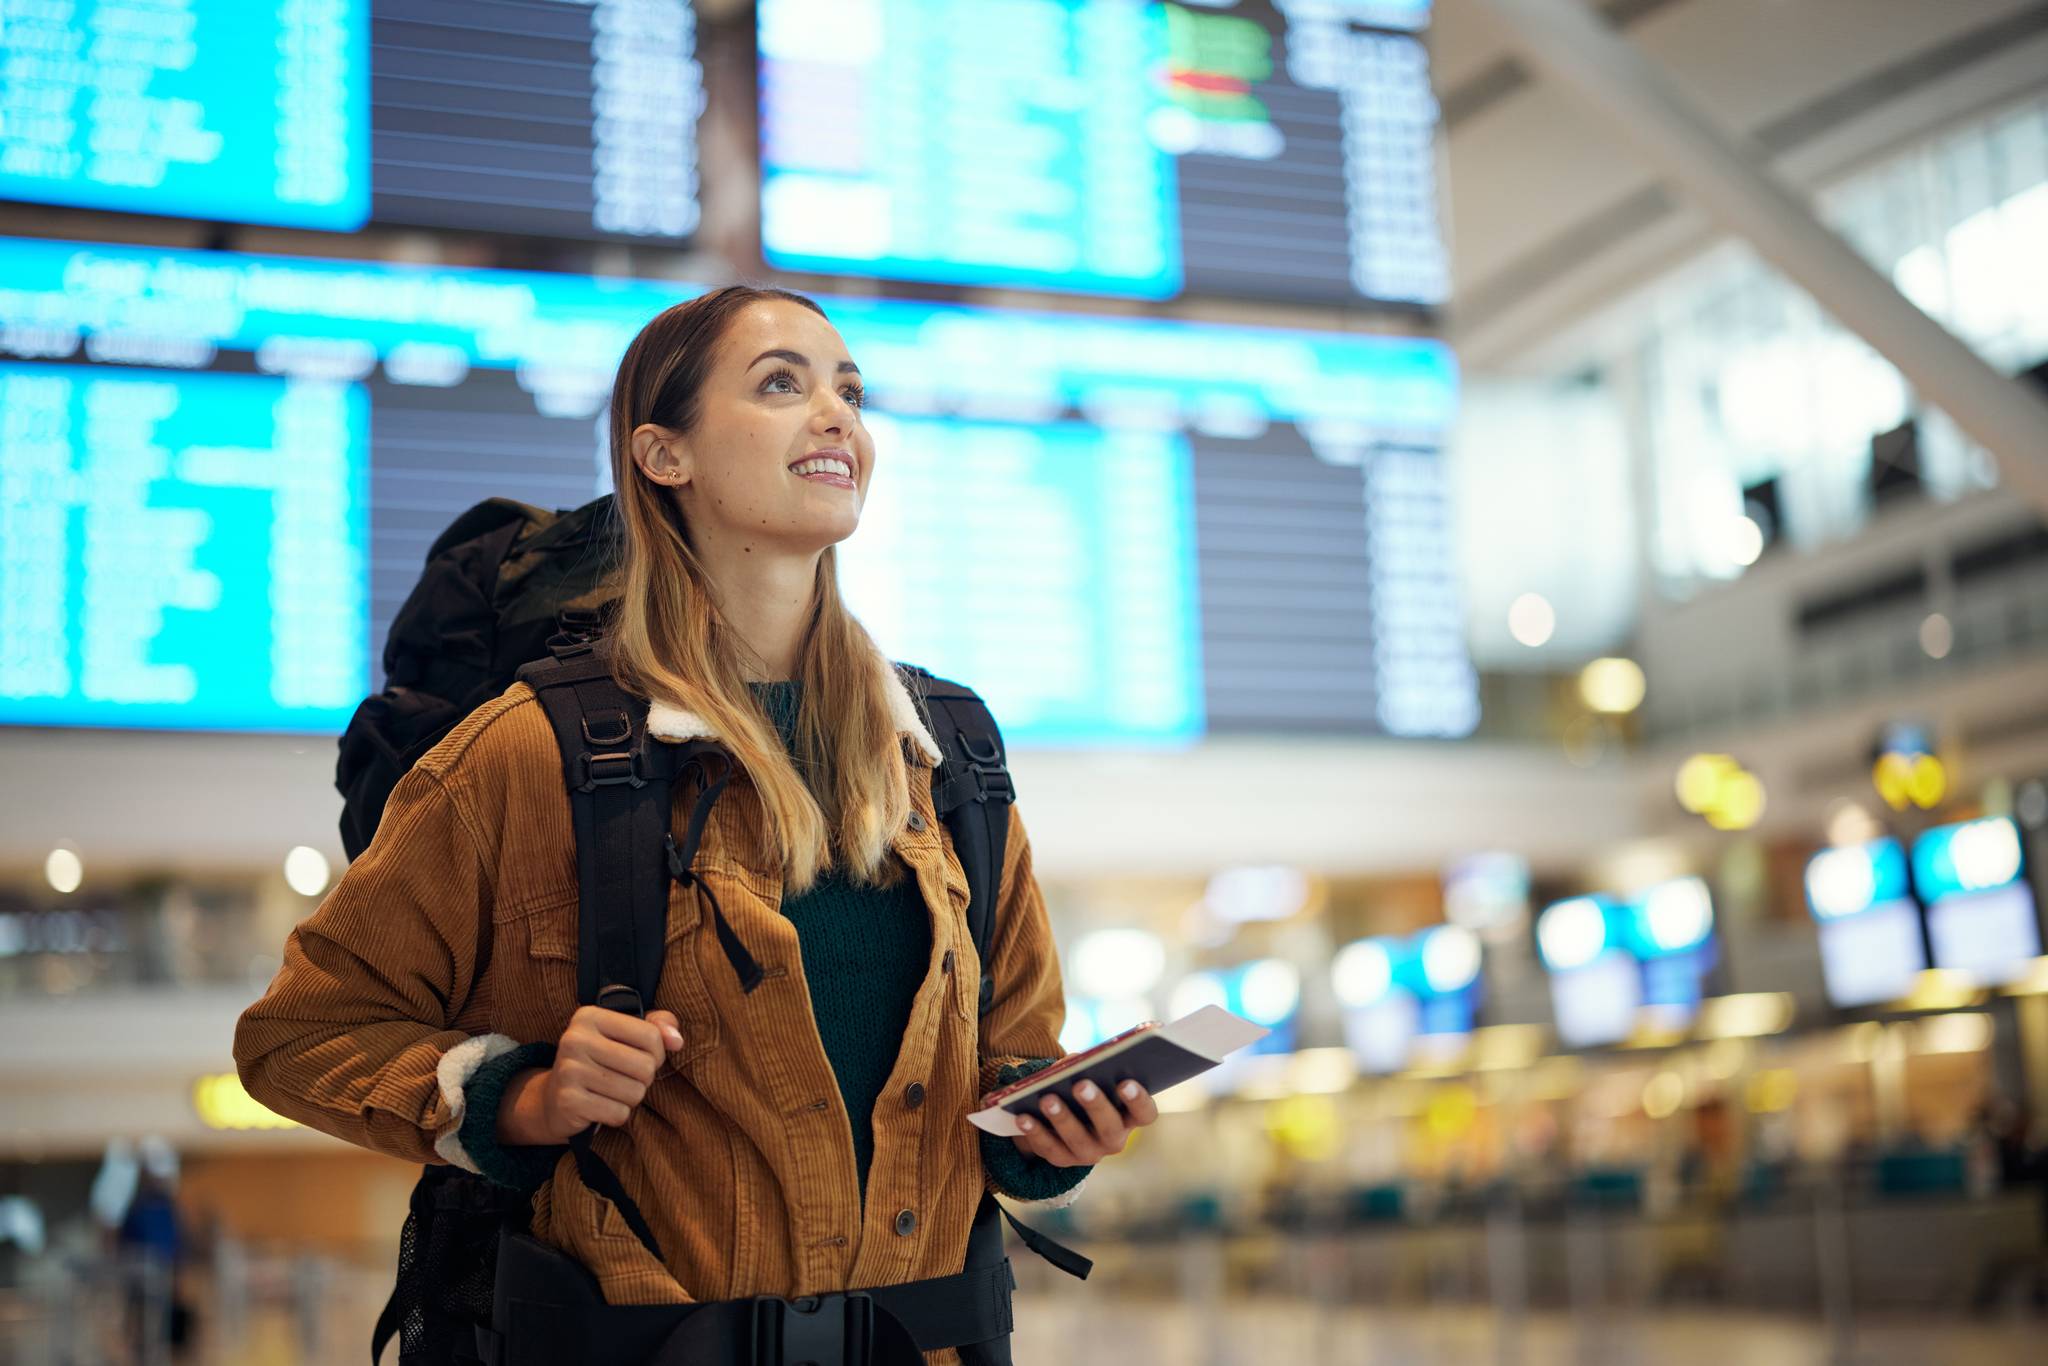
1507 539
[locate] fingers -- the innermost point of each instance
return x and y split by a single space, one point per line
1040 1140
1104 1118
671 1028
1139 1107
1064 1122
645 1035
613 1056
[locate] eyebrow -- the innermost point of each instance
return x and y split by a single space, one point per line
797 358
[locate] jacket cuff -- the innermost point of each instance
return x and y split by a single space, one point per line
473 1076
1018 1175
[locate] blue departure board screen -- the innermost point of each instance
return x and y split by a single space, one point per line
1115 147
551 118
1123 531
181 549
250 111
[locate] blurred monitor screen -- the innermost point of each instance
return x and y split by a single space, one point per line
220 474
1989 934
217 109
1273 151
558 118
1597 1004
1872 956
1381 1036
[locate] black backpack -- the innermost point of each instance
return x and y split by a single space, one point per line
512 591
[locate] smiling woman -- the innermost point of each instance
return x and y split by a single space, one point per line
727 415
788 1118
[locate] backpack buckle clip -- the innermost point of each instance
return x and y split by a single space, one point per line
623 999
831 1328
593 771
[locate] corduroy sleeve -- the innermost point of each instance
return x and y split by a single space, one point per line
356 1036
1021 1031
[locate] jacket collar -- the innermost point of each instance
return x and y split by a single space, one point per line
676 724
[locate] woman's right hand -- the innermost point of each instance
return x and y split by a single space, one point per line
603 1066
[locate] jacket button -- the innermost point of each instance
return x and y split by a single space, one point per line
913 1095
917 820
906 1223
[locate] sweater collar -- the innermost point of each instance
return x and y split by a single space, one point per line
676 724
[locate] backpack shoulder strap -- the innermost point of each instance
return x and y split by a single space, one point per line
972 792
620 788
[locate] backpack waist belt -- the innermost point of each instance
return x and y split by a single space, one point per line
547 1309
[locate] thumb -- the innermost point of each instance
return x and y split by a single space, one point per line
671 1028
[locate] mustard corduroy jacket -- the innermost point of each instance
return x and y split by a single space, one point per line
453 939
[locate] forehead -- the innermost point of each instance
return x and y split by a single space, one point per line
778 325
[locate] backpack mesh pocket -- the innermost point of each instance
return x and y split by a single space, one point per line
448 1263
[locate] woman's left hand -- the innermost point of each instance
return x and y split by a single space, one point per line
1071 1137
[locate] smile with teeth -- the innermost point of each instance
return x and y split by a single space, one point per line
824 464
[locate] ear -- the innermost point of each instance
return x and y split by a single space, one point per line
662 454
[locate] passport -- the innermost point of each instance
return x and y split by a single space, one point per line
1155 1055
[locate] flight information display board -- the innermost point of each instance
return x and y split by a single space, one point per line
181 549
245 111
1122 531
1148 150
559 118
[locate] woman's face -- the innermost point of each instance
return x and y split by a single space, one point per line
779 459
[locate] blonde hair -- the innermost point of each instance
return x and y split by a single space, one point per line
669 642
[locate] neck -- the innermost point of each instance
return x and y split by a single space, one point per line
766 600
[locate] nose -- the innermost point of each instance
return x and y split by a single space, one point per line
835 415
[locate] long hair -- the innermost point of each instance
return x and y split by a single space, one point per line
668 640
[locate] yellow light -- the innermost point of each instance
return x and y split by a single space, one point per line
1941 989
1663 1094
1700 778
221 1103
1306 1126
1892 776
1451 1112
64 870
1612 685
1926 782
1772 1091
1739 804
1650 1031
1747 1016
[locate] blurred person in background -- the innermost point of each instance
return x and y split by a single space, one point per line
150 1241
806 1138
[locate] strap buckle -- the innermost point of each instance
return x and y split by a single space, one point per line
592 771
623 999
814 1330
985 761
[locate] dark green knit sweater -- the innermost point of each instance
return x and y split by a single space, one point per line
865 953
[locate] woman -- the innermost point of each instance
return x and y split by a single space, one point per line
804 1138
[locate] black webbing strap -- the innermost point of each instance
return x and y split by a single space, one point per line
620 792
972 792
547 1308
680 862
